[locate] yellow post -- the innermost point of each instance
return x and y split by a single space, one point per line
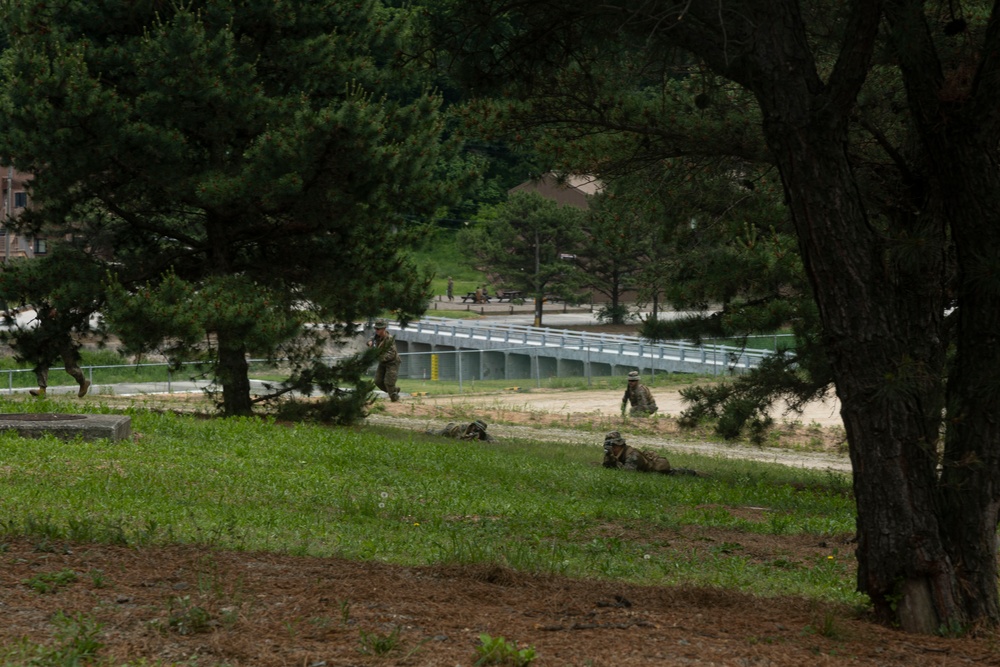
434 367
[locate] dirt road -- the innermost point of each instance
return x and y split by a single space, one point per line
812 440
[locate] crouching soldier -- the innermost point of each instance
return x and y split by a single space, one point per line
639 395
619 455
474 431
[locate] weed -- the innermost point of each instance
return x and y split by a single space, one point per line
186 618
498 651
77 636
345 612
827 626
97 578
50 582
376 643
76 643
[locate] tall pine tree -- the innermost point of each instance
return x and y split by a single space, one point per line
244 166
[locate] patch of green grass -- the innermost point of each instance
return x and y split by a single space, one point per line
498 651
402 497
50 582
77 642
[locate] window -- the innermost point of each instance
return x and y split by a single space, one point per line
41 246
20 199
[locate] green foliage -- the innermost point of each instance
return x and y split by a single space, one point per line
50 582
76 643
172 316
498 651
519 246
267 156
742 405
378 643
187 618
65 289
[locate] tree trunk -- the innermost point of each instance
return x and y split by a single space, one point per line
233 373
953 106
883 331
970 478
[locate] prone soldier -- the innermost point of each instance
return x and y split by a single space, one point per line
472 431
620 456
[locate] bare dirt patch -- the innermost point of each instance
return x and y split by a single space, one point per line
193 606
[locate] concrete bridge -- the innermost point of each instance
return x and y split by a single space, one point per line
483 350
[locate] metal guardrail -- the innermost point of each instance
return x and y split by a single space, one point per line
519 335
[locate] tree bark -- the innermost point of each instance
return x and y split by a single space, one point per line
882 323
233 374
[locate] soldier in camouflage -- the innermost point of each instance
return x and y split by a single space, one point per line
639 396
388 360
474 431
620 456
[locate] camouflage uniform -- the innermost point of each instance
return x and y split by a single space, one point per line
639 396
474 431
52 338
630 458
388 362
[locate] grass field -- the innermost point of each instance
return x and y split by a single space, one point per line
401 497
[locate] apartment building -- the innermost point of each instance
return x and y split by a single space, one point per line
14 200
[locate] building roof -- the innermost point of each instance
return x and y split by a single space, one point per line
567 189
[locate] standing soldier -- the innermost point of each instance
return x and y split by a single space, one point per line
639 396
388 360
620 456
451 289
53 338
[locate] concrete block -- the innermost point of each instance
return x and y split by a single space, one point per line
68 427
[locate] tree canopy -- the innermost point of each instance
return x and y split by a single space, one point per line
525 245
268 152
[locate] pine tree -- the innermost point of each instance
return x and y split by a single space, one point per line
523 246
243 166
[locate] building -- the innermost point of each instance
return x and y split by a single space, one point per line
568 190
14 198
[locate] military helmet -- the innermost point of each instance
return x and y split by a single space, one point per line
633 375
613 439
481 425
381 323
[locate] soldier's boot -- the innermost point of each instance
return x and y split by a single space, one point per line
394 396
40 392
84 388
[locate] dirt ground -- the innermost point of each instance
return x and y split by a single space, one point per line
192 605
188 605
813 439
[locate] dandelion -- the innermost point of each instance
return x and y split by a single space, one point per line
384 494
645 557
416 523
381 506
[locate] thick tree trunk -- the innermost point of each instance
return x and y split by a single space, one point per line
952 97
232 373
970 478
883 331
